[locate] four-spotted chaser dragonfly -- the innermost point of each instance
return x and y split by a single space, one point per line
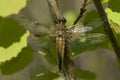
77 36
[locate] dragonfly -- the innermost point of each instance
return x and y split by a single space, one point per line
78 36
73 39
63 36
67 39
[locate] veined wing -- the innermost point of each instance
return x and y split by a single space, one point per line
39 32
41 44
77 31
33 26
81 40
79 28
87 41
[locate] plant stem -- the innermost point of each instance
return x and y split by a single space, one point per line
107 28
57 17
55 12
82 11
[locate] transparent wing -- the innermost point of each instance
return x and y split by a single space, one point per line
84 43
79 29
91 38
39 33
33 26
87 41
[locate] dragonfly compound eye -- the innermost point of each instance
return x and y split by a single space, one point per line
63 21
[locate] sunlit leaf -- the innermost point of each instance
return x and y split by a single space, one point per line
17 63
88 42
10 31
114 16
70 17
115 27
104 1
8 7
13 38
85 74
14 49
116 30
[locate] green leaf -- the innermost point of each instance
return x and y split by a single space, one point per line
52 55
92 19
88 42
42 73
114 16
91 39
13 37
48 76
10 31
104 1
85 74
116 30
38 70
48 46
114 5
17 63
8 7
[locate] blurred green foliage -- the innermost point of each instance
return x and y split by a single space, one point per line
13 37
114 5
12 32
42 73
17 63
85 74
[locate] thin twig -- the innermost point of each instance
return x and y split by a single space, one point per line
82 11
107 27
55 12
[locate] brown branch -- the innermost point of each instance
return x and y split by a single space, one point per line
107 27
68 63
57 17
55 12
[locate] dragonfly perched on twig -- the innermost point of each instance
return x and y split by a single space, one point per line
65 38
73 38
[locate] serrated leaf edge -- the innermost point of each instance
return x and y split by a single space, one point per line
14 49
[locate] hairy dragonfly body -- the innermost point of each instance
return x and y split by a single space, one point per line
65 36
67 39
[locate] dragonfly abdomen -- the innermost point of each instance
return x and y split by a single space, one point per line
60 42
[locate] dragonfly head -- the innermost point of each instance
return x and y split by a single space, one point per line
60 21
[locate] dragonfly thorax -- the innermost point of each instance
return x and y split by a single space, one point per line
61 30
